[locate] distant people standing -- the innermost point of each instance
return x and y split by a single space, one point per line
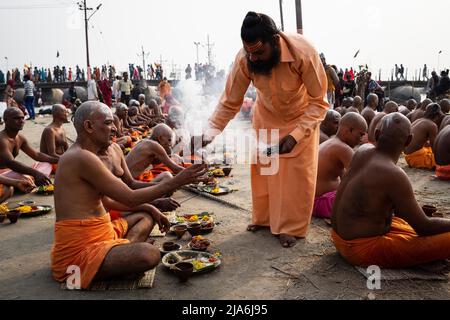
425 72
78 73
105 88
116 89
402 72
333 80
432 84
92 89
70 75
443 86
125 89
29 96
164 88
397 71
188 71
349 86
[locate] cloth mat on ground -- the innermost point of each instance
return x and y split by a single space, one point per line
142 282
438 270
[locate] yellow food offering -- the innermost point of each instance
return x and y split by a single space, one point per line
205 218
50 188
193 218
198 264
3 208
215 190
24 209
180 219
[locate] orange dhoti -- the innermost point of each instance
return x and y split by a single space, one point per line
146 176
443 172
85 243
421 159
401 247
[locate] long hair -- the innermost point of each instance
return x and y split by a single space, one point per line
258 26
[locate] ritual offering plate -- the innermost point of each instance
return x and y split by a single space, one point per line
217 172
199 243
47 190
202 261
33 211
215 190
174 248
204 218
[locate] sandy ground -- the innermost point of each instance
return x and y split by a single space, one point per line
249 262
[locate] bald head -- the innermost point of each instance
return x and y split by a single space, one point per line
89 111
390 107
411 104
425 103
352 128
404 110
152 103
372 101
358 103
161 130
393 133
347 102
11 113
59 113
330 124
433 112
445 105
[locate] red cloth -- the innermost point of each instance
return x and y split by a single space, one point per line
106 90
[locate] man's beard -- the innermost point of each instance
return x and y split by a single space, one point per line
265 67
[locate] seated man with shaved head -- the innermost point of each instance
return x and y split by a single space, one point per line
411 104
329 125
419 111
85 237
442 153
419 153
358 103
376 218
368 112
334 158
54 139
389 107
11 142
152 152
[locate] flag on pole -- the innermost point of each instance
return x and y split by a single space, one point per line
57 54
356 54
440 52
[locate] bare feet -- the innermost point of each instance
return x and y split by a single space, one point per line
254 227
287 241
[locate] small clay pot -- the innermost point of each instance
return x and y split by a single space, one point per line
194 228
13 216
180 230
226 171
2 217
169 246
429 210
184 270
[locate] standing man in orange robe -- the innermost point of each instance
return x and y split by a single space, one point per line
291 97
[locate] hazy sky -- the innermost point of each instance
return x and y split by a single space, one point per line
386 31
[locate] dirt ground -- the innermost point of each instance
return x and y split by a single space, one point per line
312 269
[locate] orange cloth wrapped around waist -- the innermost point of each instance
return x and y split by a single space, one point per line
54 167
159 168
401 247
2 190
443 172
421 159
146 176
85 243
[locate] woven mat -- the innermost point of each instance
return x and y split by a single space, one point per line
143 282
433 271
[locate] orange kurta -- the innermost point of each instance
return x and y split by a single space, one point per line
401 247
443 172
85 243
293 100
421 159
